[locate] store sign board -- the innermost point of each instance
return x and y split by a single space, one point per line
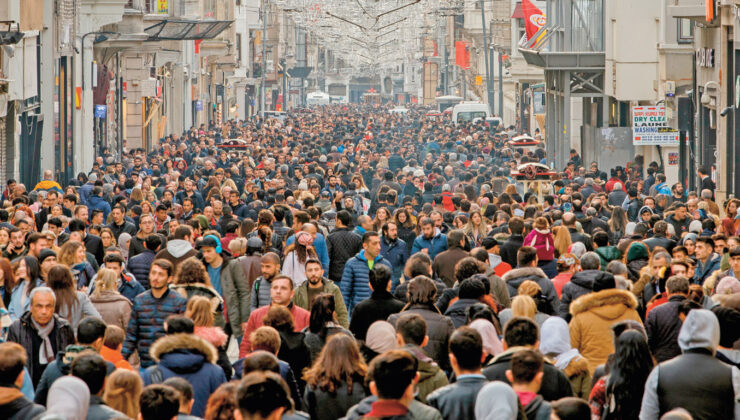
649 127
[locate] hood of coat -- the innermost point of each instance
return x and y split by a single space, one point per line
587 278
700 330
517 276
183 352
108 296
213 335
607 304
178 247
201 289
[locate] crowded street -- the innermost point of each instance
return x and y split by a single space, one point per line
503 210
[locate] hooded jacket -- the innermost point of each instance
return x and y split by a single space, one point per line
191 358
417 410
356 277
607 254
201 289
543 242
669 386
431 377
704 270
177 251
496 401
582 283
514 278
593 315
300 298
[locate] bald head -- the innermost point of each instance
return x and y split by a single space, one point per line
271 257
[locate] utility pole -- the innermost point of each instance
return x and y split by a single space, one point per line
264 56
501 84
489 80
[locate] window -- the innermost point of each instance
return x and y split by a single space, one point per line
685 31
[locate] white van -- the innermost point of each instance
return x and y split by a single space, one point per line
470 111
317 98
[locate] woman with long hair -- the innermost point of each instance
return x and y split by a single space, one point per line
406 227
527 303
266 235
562 240
335 381
137 196
7 281
146 227
222 403
4 238
199 310
476 228
322 324
107 238
360 186
730 223
70 304
617 225
629 368
382 216
74 255
122 390
296 255
113 307
26 272
192 280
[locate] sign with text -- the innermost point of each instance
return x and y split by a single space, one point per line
649 127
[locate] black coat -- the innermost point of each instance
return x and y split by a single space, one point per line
582 283
19 408
439 330
378 307
342 245
583 238
457 312
509 249
457 400
660 241
324 405
663 326
555 385
94 245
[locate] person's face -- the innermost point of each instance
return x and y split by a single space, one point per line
702 250
719 246
402 217
4 237
208 212
17 239
314 273
678 270
392 231
117 215
162 215
349 203
269 269
657 265
476 218
25 227
427 231
147 225
646 216
42 308
690 247
735 264
38 246
218 207
372 246
158 277
187 206
80 255
21 271
209 254
680 213
280 291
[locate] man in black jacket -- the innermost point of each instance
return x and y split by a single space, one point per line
93 243
509 248
660 238
13 404
663 322
457 400
520 334
342 244
378 307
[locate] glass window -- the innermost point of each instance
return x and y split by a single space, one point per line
685 31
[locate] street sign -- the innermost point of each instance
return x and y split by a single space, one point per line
100 111
649 127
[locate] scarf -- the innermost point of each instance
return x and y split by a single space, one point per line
46 351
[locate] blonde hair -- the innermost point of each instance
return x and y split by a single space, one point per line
529 288
67 254
238 245
199 309
105 280
524 306
122 391
562 239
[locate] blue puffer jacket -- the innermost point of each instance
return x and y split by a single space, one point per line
130 287
396 253
437 244
139 266
98 203
189 357
704 270
354 284
147 322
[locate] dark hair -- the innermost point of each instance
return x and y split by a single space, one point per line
421 290
262 393
76 225
164 265
418 264
525 365
13 359
60 280
322 312
392 372
344 217
91 368
368 235
466 345
412 328
571 408
521 331
379 276
158 402
467 267
90 329
629 370
152 242
480 311
516 225
182 386
183 231
601 239
706 240
179 324
260 361
114 258
526 255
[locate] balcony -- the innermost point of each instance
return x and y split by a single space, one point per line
688 9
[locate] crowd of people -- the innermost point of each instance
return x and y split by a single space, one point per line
347 262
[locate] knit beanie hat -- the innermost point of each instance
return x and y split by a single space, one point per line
637 251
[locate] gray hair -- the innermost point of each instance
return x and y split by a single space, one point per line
617 268
41 289
662 255
590 261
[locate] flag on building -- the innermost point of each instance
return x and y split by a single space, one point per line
534 19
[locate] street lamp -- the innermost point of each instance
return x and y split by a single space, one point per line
103 33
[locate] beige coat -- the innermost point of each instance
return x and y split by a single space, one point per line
114 308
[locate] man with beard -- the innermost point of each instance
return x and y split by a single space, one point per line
394 250
316 284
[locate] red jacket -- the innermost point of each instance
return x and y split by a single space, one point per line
543 242
300 318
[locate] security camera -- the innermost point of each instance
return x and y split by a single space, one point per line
726 110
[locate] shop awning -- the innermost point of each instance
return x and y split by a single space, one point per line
518 13
171 29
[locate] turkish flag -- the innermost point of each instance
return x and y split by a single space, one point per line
462 54
534 19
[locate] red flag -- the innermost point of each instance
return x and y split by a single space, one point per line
534 19
462 54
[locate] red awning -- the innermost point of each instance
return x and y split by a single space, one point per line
518 13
